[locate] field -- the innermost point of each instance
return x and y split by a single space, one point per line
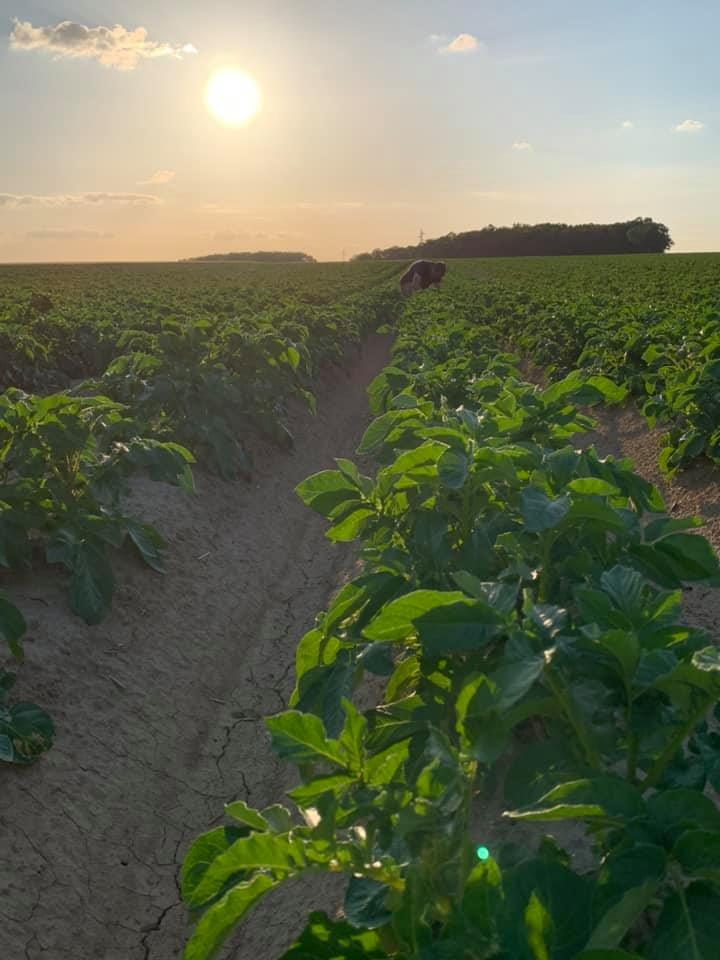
427 637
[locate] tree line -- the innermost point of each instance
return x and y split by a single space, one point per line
641 235
263 256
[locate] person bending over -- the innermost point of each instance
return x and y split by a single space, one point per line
421 275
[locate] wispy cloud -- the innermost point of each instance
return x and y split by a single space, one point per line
62 233
627 124
159 177
77 199
111 46
522 145
462 43
488 194
690 126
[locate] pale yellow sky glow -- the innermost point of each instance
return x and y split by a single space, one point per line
170 130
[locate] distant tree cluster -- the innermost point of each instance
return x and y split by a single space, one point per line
642 235
264 256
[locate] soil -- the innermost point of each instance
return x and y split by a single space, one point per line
159 709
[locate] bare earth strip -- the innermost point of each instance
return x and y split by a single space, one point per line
158 709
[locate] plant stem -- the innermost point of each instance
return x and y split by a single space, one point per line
658 768
591 754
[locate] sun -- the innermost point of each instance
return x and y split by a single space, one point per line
232 97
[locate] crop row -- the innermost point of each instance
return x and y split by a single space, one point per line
516 628
651 323
182 391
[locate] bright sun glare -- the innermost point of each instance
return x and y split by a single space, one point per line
232 96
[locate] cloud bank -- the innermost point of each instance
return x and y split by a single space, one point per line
522 145
690 126
111 46
77 200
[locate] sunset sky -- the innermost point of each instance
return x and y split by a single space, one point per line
378 118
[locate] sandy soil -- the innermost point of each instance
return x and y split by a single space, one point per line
158 709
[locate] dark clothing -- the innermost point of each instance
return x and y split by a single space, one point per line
424 270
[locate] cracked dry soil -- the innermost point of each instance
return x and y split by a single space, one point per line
159 709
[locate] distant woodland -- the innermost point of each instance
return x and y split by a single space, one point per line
642 235
263 256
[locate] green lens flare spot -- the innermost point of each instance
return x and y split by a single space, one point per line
482 853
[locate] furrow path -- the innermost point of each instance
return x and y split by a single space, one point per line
159 709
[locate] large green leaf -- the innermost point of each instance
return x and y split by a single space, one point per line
301 738
259 851
444 622
689 925
325 491
220 919
604 797
541 512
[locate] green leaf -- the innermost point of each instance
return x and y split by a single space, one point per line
690 556
453 469
325 491
220 919
204 850
605 797
540 512
301 738
26 732
689 926
565 929
148 542
622 915
538 927
593 486
92 583
675 811
396 620
352 523
365 903
246 815
259 851
698 853
309 793
623 646
379 429
12 627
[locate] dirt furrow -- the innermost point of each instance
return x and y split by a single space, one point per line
159 708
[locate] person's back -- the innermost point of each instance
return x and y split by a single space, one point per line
420 275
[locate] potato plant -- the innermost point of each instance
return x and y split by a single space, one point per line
510 583
64 466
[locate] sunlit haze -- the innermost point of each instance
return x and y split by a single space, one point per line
136 131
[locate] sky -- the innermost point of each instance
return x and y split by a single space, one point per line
378 119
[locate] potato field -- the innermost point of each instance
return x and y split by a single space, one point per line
338 625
